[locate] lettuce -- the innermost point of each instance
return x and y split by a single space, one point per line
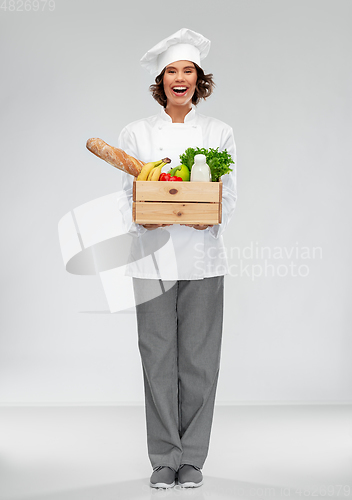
218 161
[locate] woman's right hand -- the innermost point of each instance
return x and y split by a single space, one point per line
155 226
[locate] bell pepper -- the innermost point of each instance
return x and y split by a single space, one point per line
169 177
164 177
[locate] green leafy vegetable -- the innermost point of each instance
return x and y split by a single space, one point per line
218 161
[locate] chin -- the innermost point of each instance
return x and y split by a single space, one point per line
178 102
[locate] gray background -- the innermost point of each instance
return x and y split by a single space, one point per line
283 74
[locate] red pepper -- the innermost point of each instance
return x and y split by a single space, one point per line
169 177
164 177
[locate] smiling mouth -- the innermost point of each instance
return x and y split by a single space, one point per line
180 90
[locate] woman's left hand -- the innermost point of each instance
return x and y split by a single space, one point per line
201 227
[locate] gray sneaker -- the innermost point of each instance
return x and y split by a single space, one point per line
189 476
163 477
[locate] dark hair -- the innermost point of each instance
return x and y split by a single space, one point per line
204 87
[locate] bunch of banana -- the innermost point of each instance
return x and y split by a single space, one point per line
151 171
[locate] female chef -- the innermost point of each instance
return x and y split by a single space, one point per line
178 289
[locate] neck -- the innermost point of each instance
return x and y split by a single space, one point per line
178 113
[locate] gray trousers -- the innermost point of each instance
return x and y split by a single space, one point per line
179 339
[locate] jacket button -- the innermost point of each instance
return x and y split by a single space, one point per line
161 148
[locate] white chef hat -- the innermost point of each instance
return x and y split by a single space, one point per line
184 45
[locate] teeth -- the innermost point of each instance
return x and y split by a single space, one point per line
180 88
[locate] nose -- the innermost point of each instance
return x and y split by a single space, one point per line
179 77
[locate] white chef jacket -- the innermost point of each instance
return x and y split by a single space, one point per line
190 253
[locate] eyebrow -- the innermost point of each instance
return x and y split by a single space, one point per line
185 67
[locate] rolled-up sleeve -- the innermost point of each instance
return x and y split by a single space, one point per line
229 186
126 142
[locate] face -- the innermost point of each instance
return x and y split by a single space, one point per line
179 81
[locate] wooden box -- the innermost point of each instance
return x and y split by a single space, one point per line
179 202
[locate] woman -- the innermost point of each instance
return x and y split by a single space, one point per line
179 288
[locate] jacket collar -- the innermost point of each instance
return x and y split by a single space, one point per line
189 118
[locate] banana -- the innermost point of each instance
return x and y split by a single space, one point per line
146 169
155 173
151 173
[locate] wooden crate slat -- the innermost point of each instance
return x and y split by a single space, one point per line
177 191
176 213
177 202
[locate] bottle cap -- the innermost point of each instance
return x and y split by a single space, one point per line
200 158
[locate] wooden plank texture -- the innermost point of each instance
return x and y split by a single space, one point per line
177 191
176 213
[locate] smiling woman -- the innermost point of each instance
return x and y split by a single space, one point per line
203 88
179 82
179 294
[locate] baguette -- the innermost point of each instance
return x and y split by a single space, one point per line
115 156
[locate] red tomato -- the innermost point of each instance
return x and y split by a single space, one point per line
175 178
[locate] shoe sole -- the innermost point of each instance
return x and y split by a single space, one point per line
190 484
162 485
